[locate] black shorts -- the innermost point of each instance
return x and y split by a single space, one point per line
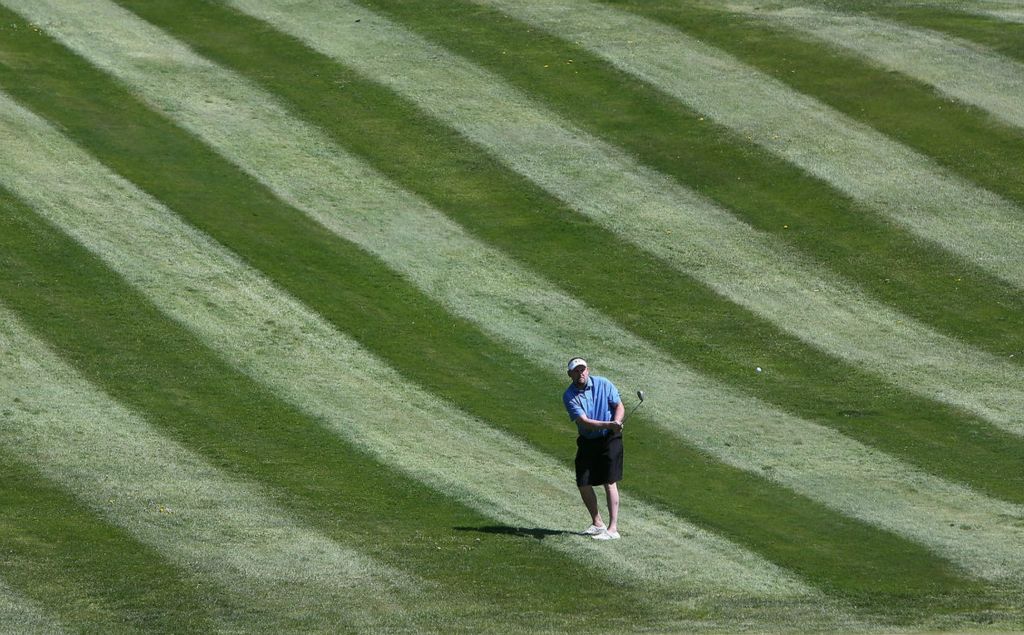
599 461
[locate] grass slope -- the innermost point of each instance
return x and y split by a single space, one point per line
961 138
20 615
120 342
954 67
183 507
664 319
891 180
167 360
996 25
772 196
695 237
147 250
264 440
64 555
855 471
739 522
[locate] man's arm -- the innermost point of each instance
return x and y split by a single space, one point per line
593 424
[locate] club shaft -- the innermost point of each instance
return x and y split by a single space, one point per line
633 409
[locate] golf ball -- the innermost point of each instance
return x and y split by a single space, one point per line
758 369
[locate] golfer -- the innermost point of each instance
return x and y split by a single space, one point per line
594 406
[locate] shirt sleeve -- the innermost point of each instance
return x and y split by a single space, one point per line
572 407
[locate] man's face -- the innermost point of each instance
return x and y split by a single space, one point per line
579 375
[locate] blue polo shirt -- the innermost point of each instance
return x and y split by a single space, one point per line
597 401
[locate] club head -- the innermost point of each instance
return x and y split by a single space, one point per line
640 394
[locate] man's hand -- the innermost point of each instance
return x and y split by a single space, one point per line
615 426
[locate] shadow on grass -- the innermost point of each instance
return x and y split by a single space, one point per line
537 533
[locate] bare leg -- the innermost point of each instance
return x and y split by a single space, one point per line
590 500
612 491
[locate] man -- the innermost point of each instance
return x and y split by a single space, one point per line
594 406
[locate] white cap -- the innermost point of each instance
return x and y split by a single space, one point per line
576 361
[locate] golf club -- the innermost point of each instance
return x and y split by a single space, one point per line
640 395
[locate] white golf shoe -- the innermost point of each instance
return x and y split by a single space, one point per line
594 530
606 535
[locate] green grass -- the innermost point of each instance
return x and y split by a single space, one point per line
962 139
112 336
105 296
1007 38
681 317
482 574
1003 37
668 463
63 555
689 233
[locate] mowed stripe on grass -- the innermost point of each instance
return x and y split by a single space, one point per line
1005 37
65 555
653 212
960 69
226 304
1009 15
18 614
489 289
1007 10
976 22
962 138
888 178
170 499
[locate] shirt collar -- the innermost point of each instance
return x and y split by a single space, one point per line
590 384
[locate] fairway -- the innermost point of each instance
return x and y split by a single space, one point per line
287 289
